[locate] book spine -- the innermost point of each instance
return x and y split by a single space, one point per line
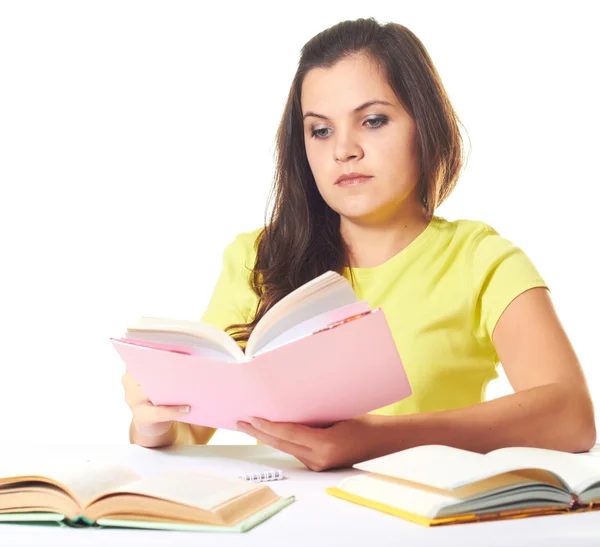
577 505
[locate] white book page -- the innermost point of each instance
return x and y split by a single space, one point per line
311 306
196 329
84 479
426 503
577 470
194 345
191 487
313 324
439 466
431 502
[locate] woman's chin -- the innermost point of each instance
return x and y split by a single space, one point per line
359 216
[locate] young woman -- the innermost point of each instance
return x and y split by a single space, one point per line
368 147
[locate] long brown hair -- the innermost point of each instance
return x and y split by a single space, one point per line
302 240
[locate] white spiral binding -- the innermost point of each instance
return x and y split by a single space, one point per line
261 476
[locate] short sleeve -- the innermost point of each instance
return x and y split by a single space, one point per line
501 271
233 299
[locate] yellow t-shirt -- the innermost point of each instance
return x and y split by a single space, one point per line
442 296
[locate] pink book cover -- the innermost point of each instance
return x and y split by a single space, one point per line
337 373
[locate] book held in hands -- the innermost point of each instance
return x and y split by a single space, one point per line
316 357
435 484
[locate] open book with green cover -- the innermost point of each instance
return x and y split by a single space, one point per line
104 494
435 484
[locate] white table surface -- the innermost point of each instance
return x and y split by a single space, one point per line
315 518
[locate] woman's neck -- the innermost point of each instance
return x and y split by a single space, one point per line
372 245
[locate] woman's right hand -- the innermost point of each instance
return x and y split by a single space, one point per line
149 420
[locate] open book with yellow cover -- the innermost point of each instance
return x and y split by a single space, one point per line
435 484
104 494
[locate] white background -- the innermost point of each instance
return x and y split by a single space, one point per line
136 140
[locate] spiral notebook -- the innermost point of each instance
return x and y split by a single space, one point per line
262 476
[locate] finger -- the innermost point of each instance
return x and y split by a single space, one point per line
146 414
154 430
128 381
312 465
299 451
294 433
135 396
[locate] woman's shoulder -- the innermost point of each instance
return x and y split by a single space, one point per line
465 228
247 239
481 246
475 241
469 234
244 245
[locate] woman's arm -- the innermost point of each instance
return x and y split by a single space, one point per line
551 408
555 416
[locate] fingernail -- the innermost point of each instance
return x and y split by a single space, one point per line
183 409
240 426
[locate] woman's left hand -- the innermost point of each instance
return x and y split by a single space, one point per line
340 445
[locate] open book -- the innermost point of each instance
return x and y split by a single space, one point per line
92 493
436 484
313 306
317 356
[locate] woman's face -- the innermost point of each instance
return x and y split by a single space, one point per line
342 135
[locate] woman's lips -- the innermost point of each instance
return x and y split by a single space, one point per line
354 181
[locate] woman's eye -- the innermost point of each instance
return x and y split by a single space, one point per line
378 121
371 123
317 133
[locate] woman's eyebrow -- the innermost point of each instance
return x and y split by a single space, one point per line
357 109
